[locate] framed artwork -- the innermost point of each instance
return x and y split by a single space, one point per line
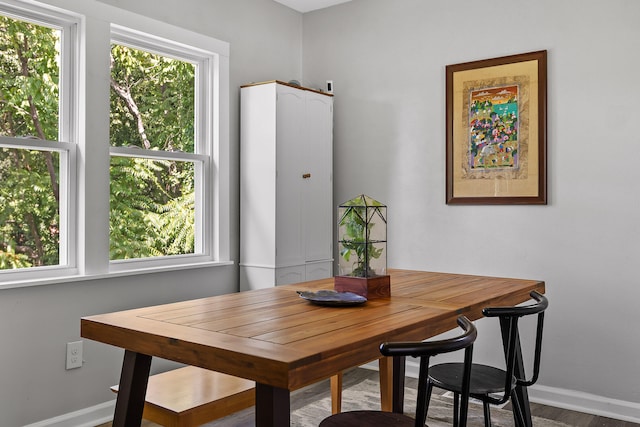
496 130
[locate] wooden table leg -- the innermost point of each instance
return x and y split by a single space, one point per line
273 406
132 389
385 369
336 393
398 384
521 392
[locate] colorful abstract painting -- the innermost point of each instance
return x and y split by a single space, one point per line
493 124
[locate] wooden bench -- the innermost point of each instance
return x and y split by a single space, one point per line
192 396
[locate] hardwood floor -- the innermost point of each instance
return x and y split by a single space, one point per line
573 418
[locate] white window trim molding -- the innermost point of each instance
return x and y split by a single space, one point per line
206 73
93 21
217 106
70 24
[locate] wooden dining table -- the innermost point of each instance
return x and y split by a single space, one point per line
283 342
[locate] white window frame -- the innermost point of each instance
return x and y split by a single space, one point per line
205 66
69 26
87 122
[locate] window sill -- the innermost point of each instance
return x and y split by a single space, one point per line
133 272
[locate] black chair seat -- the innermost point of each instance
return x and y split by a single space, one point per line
484 379
367 418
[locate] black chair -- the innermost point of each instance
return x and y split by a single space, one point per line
423 350
492 385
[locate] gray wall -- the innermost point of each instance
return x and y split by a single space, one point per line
387 60
37 322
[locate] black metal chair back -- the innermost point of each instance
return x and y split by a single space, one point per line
509 317
494 385
423 350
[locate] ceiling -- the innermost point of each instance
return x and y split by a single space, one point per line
309 5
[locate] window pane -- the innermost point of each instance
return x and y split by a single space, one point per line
29 75
29 107
152 201
152 101
29 208
152 208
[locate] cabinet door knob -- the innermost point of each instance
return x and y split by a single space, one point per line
306 175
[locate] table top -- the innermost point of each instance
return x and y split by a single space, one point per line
274 337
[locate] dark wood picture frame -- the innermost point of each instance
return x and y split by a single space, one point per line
496 130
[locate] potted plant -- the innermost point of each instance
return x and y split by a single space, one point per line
362 231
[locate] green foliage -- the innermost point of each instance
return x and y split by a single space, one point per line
152 201
145 219
152 107
355 240
29 87
29 211
9 259
163 91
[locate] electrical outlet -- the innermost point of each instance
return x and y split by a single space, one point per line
74 354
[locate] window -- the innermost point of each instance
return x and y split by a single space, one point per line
37 147
159 147
88 190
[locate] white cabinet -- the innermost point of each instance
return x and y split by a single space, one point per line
286 174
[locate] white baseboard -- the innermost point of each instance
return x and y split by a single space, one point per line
88 417
551 396
565 399
585 402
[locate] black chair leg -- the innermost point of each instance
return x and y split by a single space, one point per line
456 409
487 414
429 390
517 409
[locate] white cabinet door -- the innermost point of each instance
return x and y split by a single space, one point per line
290 136
317 195
258 179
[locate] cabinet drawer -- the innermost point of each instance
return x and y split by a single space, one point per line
318 270
287 275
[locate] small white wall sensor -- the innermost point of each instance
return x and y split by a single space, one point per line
329 86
